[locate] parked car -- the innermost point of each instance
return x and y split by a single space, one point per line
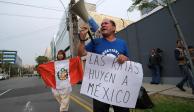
4 76
1 76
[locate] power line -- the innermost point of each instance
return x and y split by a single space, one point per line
60 37
62 4
28 33
99 3
28 16
34 6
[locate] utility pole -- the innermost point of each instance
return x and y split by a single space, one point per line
73 30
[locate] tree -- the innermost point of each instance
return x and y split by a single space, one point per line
11 69
141 4
41 59
144 4
27 70
1 59
1 56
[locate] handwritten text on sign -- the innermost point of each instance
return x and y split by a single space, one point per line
108 81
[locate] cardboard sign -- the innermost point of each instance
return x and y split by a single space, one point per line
108 81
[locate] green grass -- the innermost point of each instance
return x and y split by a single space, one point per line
164 103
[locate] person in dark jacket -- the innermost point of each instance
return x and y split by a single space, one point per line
184 66
154 63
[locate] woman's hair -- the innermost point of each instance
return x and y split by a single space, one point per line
177 41
61 52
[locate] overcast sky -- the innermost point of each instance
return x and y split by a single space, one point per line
28 29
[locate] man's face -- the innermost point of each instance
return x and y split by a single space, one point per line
153 51
180 44
107 28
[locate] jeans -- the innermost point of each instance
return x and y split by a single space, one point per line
185 70
155 74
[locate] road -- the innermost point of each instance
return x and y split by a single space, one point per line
28 94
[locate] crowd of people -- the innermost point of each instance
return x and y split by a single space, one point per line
108 41
184 66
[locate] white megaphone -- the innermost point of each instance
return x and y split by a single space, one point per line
80 10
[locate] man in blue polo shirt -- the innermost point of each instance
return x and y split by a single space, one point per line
108 45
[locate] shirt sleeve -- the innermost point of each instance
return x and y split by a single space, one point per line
126 50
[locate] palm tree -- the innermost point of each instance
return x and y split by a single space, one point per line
142 4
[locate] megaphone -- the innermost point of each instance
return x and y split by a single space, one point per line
80 9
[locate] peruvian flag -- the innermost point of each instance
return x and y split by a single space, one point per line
61 74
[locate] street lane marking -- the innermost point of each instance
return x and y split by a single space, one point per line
28 107
82 100
81 104
5 92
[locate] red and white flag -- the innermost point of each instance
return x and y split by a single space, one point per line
61 74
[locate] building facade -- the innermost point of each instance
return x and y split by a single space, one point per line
8 56
62 38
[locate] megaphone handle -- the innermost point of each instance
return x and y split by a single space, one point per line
89 33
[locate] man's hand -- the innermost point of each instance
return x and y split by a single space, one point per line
81 47
83 32
122 58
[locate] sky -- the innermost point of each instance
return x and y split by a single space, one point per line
28 26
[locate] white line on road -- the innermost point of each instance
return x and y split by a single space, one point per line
89 109
5 92
28 107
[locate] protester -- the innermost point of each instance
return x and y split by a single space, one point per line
183 66
109 45
155 66
62 95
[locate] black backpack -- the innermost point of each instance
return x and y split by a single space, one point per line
143 101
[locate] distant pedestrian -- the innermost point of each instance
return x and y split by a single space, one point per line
155 66
184 66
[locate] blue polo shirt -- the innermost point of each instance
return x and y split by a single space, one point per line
104 47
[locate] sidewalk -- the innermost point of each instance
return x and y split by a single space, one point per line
167 89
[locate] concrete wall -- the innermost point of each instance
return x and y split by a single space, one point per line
158 31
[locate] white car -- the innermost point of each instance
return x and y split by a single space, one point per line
1 76
4 76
